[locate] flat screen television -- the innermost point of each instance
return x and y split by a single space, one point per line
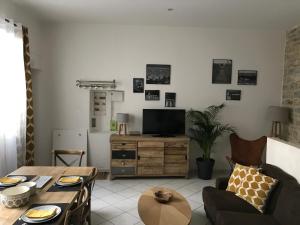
164 122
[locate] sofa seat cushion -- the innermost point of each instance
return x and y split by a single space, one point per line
215 200
238 218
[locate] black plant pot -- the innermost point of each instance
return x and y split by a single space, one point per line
205 168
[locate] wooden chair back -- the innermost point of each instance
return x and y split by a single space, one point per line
247 152
58 152
76 216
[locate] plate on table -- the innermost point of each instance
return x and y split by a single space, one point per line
22 179
42 220
71 183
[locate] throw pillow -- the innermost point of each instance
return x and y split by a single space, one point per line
256 188
238 175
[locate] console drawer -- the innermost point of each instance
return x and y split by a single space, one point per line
123 163
124 145
175 169
175 159
175 151
176 144
153 162
123 154
123 170
143 170
151 152
148 144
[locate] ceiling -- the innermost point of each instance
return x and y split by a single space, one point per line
265 14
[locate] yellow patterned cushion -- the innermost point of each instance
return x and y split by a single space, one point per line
237 177
255 189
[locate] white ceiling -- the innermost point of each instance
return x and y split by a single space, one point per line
273 14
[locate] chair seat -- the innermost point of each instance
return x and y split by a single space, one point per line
216 200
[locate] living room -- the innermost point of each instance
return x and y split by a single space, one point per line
77 45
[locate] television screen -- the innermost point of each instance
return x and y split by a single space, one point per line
164 122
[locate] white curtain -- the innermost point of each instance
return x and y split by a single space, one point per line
12 97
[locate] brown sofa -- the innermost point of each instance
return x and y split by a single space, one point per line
283 206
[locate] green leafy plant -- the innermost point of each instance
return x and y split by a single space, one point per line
205 128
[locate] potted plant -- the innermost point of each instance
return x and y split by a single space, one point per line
204 130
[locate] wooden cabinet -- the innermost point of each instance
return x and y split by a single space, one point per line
149 156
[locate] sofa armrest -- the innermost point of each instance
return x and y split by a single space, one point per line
222 182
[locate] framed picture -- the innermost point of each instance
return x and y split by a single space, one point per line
152 95
233 95
170 99
138 85
247 77
158 74
221 71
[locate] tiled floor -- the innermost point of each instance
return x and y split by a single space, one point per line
115 202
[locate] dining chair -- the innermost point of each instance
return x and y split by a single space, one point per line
59 152
246 152
89 184
76 216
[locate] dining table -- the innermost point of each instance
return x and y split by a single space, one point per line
8 216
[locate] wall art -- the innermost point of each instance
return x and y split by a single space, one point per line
221 71
152 95
158 74
170 99
247 77
138 85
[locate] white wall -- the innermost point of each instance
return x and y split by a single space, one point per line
40 77
284 155
91 51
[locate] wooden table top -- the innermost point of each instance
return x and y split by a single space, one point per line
9 216
175 212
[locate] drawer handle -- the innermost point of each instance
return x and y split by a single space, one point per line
123 163
139 157
123 155
122 170
123 143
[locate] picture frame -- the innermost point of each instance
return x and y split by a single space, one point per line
158 74
222 71
152 95
247 77
170 99
138 85
233 95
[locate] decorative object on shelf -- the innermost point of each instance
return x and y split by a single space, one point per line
122 119
162 196
233 95
278 115
113 125
152 95
95 84
204 130
170 99
138 85
158 74
247 77
222 70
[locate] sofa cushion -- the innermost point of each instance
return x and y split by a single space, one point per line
287 210
215 200
238 218
236 178
255 189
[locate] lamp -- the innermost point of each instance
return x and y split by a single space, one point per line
278 115
122 119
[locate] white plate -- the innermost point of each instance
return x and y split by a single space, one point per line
69 184
44 207
23 179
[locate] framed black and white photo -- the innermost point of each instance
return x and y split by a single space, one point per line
152 95
170 99
234 95
158 74
138 85
221 71
247 77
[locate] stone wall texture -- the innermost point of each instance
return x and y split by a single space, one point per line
291 83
